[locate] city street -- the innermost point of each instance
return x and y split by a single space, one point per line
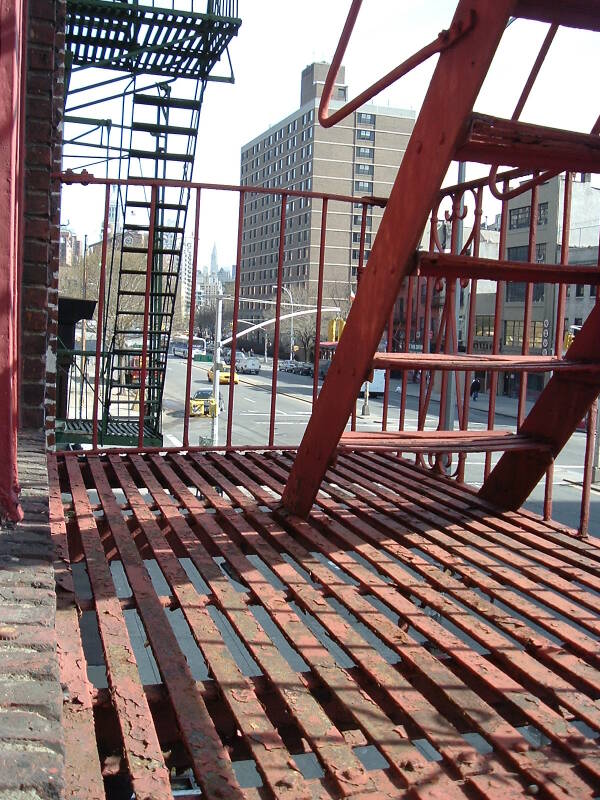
293 409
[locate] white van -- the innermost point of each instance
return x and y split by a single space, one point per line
377 385
247 365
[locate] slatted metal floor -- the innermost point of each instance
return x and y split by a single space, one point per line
406 641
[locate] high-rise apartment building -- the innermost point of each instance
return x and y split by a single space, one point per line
357 157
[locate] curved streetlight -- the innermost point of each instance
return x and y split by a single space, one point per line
285 289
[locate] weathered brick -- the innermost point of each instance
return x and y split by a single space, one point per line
38 769
35 319
43 697
41 58
42 32
29 726
40 666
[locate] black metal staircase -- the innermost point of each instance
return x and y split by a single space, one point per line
157 139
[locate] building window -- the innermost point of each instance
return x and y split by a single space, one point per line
579 290
364 135
364 169
520 217
341 93
592 291
357 220
579 321
365 119
484 325
515 292
366 187
356 237
521 253
365 152
356 255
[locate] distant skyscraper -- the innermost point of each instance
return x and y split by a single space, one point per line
214 266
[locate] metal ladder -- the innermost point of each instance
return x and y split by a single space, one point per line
447 129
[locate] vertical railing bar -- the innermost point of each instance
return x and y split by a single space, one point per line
188 376
359 272
548 486
100 314
464 418
528 303
277 318
386 390
407 333
564 260
236 314
588 468
497 337
317 353
144 367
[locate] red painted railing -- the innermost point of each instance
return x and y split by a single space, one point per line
424 320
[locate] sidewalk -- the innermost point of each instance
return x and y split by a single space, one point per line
505 406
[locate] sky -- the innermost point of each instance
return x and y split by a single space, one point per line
278 39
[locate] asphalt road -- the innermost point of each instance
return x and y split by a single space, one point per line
293 408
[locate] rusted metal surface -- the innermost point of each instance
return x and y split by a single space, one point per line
406 617
426 161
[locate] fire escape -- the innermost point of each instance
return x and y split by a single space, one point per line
154 63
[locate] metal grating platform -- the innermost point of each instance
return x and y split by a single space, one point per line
406 641
145 38
123 432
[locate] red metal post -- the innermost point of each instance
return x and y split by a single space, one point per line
100 317
497 337
149 268
12 60
564 260
317 354
284 198
588 468
188 374
236 314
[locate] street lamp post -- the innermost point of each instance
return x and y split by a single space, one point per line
285 289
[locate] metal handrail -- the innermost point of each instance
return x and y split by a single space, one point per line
445 39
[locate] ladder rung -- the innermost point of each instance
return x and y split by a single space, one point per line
572 13
472 362
177 130
130 293
123 313
440 441
129 226
166 102
156 155
491 140
121 352
148 204
156 250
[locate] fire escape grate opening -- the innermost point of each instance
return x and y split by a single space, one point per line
378 645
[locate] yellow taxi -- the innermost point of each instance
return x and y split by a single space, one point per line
224 374
202 404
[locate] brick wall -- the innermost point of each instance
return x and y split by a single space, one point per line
39 290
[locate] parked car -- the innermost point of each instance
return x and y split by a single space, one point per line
224 374
301 368
203 404
248 365
324 365
285 366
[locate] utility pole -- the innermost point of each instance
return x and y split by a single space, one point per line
449 410
216 365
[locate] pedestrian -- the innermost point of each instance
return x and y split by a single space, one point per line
475 388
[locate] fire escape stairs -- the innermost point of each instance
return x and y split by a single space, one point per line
446 130
160 135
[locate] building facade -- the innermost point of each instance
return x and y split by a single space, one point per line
358 157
